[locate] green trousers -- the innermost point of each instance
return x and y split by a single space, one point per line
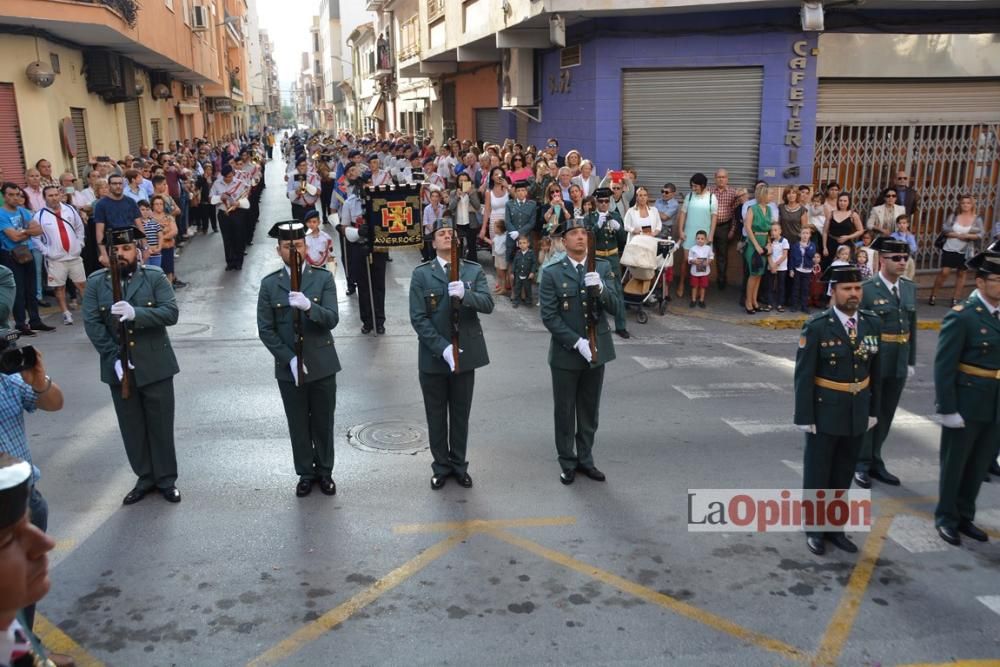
616 266
146 422
448 404
829 463
870 456
309 410
577 399
965 459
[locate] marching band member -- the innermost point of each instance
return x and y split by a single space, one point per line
229 195
303 188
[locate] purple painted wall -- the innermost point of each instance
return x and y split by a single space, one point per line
588 116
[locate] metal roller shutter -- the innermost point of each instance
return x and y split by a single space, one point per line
914 101
133 126
80 129
11 148
678 122
488 125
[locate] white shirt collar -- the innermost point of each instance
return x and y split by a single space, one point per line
576 263
888 284
990 309
442 262
843 317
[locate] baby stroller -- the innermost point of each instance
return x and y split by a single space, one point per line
647 269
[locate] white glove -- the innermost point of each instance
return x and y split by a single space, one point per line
118 368
807 428
124 310
871 422
243 203
311 189
514 234
583 347
456 288
299 300
614 225
294 365
449 356
351 234
954 420
910 372
593 279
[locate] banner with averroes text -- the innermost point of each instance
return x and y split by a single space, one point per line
393 215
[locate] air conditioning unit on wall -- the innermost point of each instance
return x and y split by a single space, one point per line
518 77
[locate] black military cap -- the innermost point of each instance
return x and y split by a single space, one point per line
15 487
442 223
887 245
843 273
373 156
602 193
311 213
123 235
300 160
289 230
986 262
520 184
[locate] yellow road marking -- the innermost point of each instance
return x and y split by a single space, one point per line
65 545
839 628
477 525
331 619
689 611
56 641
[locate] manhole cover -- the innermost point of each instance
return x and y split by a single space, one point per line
393 436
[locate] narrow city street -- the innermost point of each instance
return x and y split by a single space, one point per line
518 569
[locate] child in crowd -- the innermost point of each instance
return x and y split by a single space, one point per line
523 270
700 258
500 255
802 255
319 245
777 265
866 240
545 252
817 288
861 259
904 234
153 231
589 205
841 258
817 213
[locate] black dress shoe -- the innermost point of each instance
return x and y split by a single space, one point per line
380 331
949 535
623 333
327 485
592 472
995 468
970 529
366 329
304 487
171 494
862 480
816 545
350 291
26 331
42 326
464 480
42 303
567 477
842 542
134 496
885 477
437 481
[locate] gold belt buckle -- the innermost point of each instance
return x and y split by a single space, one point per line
854 387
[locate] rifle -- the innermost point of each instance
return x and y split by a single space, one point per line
295 274
123 338
593 298
456 303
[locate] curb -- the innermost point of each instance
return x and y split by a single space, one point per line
771 322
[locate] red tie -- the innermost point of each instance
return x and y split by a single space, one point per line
63 233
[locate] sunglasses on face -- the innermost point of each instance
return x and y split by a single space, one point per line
902 178
896 258
890 196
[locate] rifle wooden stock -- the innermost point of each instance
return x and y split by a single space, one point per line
295 276
123 336
456 303
593 305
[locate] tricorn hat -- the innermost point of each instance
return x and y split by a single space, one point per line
15 483
843 273
887 244
123 235
289 230
985 262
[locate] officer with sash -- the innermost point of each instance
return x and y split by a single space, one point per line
309 399
146 309
894 299
229 194
609 239
967 398
447 390
837 384
577 377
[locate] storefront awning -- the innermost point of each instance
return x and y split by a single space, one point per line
376 108
187 107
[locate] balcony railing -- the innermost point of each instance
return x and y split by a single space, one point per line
435 10
409 39
129 9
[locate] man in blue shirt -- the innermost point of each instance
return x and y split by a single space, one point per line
116 211
667 206
16 228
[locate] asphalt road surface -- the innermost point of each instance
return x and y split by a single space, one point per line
517 570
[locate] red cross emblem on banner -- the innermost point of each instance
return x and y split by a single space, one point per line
397 217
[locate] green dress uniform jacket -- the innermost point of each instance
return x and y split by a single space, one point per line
275 323
968 350
609 244
146 418
8 290
897 351
448 396
520 217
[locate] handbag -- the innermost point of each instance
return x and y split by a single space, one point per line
756 262
940 240
21 254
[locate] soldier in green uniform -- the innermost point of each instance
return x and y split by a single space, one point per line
520 217
894 299
309 400
609 239
447 390
577 377
967 398
837 386
147 307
